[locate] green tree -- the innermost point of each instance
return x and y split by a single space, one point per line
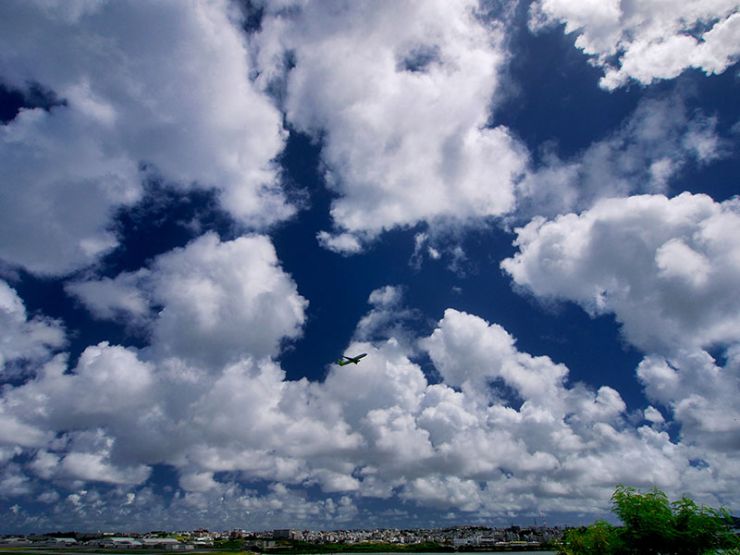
700 526
600 537
647 520
652 525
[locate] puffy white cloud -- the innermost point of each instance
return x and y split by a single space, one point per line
220 300
399 94
343 243
107 382
650 40
651 147
386 378
668 269
387 317
234 295
24 339
175 99
13 482
56 206
503 432
95 464
107 387
701 395
445 492
230 505
111 298
653 415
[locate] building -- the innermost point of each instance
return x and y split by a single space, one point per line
119 542
287 534
170 544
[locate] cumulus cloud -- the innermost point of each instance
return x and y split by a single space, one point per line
176 100
388 317
219 300
503 431
701 395
649 149
400 100
342 243
230 506
113 298
647 41
668 268
96 466
493 357
24 339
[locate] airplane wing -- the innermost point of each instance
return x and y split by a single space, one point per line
345 360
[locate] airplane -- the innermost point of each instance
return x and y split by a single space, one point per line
352 360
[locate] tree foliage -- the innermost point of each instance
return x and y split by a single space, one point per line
652 525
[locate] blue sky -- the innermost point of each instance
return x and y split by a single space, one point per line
524 212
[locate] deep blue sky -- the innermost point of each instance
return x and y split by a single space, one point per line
549 100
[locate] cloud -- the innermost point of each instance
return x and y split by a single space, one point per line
492 357
459 419
388 317
219 300
107 381
503 431
647 41
13 482
342 243
400 101
96 466
231 506
649 149
24 340
378 429
667 268
113 298
136 101
701 395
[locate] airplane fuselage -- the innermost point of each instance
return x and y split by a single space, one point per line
350 360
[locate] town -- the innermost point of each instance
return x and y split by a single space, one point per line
457 538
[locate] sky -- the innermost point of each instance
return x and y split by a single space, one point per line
524 212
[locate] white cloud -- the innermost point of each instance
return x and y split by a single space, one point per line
647 41
668 269
176 98
97 467
701 395
375 429
653 415
388 317
651 147
342 243
13 482
110 298
528 441
400 98
234 296
107 382
503 432
24 339
220 300
229 506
